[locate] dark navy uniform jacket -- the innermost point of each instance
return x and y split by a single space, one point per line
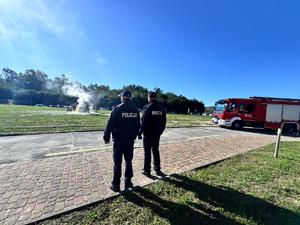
154 120
124 123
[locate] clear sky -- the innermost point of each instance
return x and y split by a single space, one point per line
201 49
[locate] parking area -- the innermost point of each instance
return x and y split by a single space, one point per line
31 147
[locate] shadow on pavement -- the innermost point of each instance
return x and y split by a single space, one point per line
231 201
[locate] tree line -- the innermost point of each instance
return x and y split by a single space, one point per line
35 87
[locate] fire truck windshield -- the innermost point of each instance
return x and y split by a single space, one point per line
219 107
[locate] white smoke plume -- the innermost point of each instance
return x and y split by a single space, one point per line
89 99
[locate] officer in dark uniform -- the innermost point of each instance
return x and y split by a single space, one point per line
153 124
124 124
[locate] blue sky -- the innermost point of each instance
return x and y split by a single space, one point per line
201 49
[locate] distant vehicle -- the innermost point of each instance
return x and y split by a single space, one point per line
40 105
264 112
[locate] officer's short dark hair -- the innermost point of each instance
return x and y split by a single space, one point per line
152 94
126 93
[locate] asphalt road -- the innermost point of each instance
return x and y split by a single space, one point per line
31 147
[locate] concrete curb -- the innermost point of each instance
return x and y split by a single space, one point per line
40 133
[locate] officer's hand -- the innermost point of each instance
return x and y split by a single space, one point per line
106 139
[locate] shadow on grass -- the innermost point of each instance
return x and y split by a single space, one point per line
176 213
229 200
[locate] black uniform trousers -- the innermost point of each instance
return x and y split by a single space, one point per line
151 144
120 149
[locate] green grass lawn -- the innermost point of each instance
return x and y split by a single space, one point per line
251 189
175 120
29 119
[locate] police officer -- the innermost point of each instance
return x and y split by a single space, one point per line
124 124
153 124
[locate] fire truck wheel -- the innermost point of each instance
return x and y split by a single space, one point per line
290 129
237 125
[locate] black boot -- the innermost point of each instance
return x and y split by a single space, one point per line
128 184
146 173
114 188
159 173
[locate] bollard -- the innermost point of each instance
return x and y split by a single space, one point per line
277 143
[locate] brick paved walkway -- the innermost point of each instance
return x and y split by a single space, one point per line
30 191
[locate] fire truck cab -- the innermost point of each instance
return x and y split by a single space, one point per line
264 112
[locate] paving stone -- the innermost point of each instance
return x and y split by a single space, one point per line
11 220
59 206
49 209
39 207
4 214
7 194
24 216
21 203
28 208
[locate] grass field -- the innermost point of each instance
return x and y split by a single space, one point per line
29 119
251 189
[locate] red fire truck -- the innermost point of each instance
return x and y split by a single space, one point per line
264 112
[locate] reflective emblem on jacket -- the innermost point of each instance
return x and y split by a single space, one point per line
157 113
129 115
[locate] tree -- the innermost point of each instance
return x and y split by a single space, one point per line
33 80
99 88
57 84
9 76
5 92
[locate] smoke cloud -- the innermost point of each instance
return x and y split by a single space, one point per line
91 99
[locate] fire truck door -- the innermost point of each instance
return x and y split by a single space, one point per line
248 112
